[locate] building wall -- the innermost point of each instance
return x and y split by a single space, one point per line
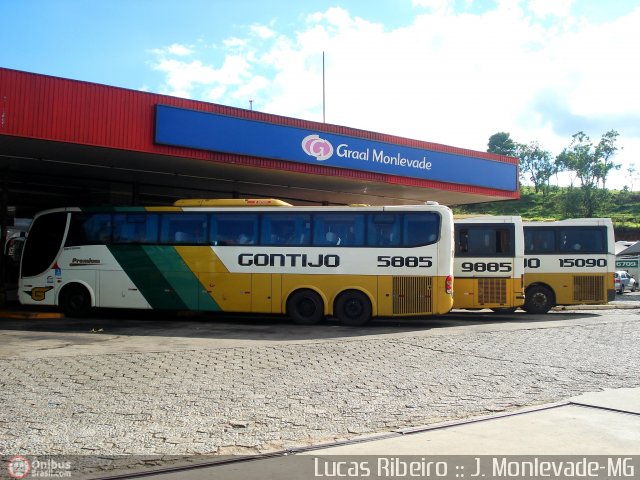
50 108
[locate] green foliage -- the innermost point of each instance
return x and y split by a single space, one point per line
589 163
536 165
502 144
622 206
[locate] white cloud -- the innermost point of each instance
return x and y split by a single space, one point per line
550 8
195 79
234 42
179 50
439 6
525 67
250 91
262 31
173 49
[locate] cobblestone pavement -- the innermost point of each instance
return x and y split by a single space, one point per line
266 397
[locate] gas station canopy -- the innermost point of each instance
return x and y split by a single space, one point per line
65 142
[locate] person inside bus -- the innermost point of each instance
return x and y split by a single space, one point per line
568 244
463 242
540 242
244 239
333 238
385 236
283 234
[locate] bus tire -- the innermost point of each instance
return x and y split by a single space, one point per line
538 299
353 308
75 300
305 307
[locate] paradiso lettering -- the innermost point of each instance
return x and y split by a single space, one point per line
288 260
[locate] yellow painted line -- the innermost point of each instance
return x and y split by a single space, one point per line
30 315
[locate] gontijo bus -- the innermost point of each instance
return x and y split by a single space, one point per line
261 256
568 262
489 263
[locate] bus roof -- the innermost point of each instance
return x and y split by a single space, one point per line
231 202
487 219
571 221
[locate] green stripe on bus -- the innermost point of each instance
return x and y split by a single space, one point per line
150 280
183 281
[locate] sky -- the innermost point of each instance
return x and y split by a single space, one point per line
445 71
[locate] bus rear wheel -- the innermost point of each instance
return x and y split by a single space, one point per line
75 300
353 308
538 299
305 307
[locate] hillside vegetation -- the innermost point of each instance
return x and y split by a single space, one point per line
622 206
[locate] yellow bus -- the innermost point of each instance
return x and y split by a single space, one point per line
568 262
255 256
489 263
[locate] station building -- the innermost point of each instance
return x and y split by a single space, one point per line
72 143
65 142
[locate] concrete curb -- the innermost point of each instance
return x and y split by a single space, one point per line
27 315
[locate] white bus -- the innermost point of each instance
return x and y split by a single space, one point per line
259 256
489 263
568 262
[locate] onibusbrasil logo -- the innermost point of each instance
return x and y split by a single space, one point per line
317 147
18 466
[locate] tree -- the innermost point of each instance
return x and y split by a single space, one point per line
631 172
536 165
591 165
502 144
604 151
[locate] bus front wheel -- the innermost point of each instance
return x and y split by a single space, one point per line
353 308
538 299
305 307
75 300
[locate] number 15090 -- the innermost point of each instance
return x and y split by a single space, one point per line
569 262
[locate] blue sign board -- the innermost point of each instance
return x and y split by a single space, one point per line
221 133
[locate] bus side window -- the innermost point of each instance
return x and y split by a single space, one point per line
572 240
339 229
183 228
135 228
503 241
89 229
383 230
583 240
420 229
462 241
539 241
285 229
482 242
233 229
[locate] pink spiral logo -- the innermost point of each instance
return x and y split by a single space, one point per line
317 147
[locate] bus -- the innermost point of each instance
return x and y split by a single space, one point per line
568 262
244 255
489 263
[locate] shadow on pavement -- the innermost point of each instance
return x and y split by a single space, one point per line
257 327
